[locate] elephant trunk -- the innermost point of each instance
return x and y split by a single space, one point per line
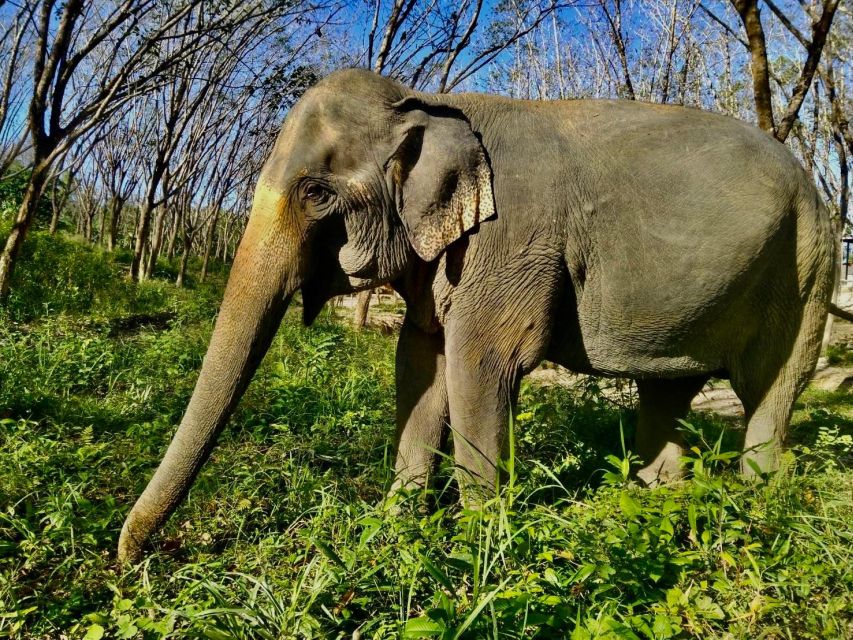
263 279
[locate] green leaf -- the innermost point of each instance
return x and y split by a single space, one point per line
580 634
371 527
630 507
691 517
551 576
662 627
583 573
123 605
709 609
329 553
478 609
95 632
437 573
422 627
754 466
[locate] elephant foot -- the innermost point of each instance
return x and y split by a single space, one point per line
405 495
666 467
759 460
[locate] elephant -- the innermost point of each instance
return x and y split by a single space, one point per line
660 243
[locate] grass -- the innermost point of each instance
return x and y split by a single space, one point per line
839 355
281 536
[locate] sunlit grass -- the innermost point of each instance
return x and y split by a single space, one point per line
284 534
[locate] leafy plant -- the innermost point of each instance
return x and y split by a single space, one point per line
284 534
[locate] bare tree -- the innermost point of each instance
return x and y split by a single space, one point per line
117 158
15 36
614 21
200 83
750 16
62 186
210 187
174 106
63 55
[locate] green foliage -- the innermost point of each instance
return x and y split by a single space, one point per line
284 534
58 274
13 185
838 355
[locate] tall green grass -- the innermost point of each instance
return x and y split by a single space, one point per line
284 534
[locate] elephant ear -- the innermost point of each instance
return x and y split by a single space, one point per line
442 176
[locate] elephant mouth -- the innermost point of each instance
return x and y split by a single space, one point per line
319 289
312 304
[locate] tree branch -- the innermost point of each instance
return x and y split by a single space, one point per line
820 30
751 19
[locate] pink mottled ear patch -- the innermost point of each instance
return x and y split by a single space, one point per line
471 202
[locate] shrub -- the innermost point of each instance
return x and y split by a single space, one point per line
56 274
285 534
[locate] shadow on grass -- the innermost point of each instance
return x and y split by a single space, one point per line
81 411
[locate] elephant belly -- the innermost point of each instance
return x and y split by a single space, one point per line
638 340
670 308
621 358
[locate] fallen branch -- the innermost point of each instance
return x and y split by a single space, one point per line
838 312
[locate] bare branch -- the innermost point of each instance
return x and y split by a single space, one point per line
820 30
751 18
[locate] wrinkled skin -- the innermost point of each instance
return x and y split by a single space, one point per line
659 243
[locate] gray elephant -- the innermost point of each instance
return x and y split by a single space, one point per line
659 243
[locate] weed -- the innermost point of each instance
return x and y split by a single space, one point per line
281 536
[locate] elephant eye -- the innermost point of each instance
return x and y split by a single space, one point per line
316 193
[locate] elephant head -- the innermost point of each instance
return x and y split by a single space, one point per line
366 179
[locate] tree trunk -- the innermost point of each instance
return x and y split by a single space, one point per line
137 265
672 45
362 305
134 227
81 218
208 245
182 271
820 31
54 221
89 223
751 18
109 239
58 203
23 221
226 250
177 222
103 226
223 238
156 241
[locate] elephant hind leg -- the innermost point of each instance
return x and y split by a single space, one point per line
768 393
659 442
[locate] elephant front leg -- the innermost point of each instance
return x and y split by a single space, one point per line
422 412
480 399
